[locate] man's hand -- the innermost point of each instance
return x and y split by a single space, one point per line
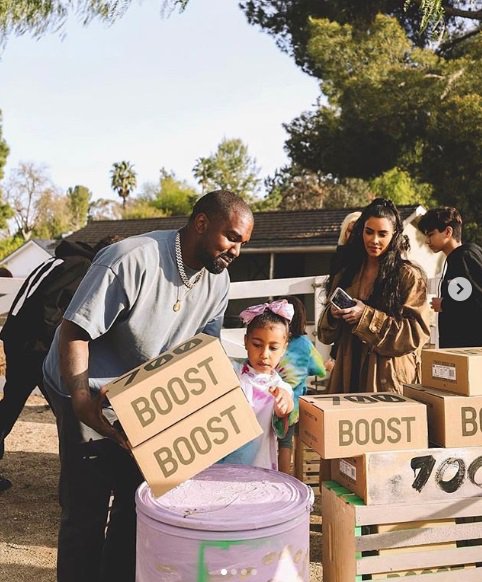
88 410
74 364
283 401
436 304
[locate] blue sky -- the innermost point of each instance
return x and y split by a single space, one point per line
153 91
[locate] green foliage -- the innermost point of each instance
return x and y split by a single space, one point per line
24 188
9 245
175 197
105 209
229 168
295 188
4 150
288 21
401 188
141 208
393 105
39 17
53 217
78 201
170 197
123 180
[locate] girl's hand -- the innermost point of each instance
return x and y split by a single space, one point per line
283 401
352 314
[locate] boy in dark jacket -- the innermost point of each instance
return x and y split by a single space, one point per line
459 305
35 313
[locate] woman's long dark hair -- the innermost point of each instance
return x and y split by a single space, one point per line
386 294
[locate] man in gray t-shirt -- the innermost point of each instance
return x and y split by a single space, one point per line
140 297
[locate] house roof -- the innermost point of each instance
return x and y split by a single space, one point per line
46 245
302 230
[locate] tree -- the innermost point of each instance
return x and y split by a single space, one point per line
295 188
170 197
18 17
393 105
24 189
175 197
105 209
4 150
401 188
229 168
53 217
203 171
289 21
78 201
123 180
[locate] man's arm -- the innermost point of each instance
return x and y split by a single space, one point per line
74 368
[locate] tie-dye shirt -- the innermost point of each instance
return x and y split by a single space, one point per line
300 360
262 451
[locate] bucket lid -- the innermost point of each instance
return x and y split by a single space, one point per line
229 498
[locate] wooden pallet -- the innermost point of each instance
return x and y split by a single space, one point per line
356 547
307 465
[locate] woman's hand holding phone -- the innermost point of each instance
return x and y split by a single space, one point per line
353 314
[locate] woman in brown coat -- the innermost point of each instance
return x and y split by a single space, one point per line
381 337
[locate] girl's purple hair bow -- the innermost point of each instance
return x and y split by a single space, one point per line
280 307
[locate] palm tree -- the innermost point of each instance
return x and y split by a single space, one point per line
203 171
123 180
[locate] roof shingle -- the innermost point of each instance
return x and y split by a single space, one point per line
282 229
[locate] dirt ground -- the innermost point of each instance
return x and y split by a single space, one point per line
29 511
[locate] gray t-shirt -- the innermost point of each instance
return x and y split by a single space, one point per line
125 303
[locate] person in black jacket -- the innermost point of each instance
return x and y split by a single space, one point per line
35 313
458 318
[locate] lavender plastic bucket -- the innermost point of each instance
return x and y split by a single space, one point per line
229 523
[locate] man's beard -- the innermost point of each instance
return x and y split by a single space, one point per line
216 265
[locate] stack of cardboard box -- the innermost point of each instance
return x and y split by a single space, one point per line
381 465
183 411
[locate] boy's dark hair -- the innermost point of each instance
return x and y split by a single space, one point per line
220 203
107 241
439 219
298 323
266 319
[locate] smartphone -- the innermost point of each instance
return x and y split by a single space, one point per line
341 299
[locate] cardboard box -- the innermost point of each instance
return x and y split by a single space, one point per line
196 442
183 411
159 393
345 425
457 370
453 420
412 477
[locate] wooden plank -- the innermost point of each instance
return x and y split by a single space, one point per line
419 536
419 476
418 560
266 288
468 575
338 539
377 514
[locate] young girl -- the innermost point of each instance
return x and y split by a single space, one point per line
300 360
270 397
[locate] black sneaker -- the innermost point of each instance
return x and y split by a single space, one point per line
4 484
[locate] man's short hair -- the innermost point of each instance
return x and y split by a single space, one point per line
220 203
439 219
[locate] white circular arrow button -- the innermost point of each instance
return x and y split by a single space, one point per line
460 289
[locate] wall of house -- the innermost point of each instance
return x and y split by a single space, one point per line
24 261
419 253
